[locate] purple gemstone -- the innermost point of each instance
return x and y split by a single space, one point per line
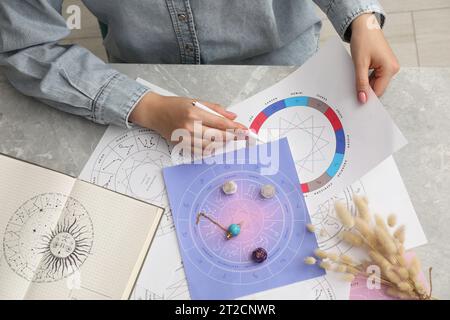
259 255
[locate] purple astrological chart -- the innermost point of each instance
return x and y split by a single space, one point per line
217 268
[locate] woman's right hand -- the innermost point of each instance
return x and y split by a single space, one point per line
166 114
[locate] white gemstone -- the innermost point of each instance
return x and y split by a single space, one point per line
268 191
229 187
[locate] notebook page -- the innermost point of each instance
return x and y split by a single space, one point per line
66 239
116 231
32 201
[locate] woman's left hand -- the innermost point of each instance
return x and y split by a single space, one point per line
370 50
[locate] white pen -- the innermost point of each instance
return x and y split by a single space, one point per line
205 108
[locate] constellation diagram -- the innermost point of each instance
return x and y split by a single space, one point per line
329 227
131 164
48 238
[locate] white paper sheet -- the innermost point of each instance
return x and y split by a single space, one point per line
334 139
330 287
387 194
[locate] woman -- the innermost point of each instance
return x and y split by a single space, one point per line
282 32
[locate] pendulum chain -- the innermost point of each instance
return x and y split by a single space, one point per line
202 214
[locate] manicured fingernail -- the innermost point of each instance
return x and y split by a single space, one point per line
232 114
362 97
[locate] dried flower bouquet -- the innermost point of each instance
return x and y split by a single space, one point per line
383 243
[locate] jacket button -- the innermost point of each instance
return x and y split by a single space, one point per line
182 17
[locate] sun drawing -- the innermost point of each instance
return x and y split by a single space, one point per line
64 248
48 238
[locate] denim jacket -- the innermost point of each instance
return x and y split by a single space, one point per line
70 78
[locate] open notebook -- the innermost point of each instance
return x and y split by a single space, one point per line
62 238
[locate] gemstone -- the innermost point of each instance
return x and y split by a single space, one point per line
268 191
229 187
259 255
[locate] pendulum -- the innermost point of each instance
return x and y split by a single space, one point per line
259 255
232 231
229 187
268 191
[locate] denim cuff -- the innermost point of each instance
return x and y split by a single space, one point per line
117 100
342 13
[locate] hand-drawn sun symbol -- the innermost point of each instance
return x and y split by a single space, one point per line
48 238
65 247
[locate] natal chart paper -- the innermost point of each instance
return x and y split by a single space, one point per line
220 267
334 139
63 238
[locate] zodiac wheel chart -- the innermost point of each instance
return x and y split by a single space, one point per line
321 155
328 224
48 238
323 290
276 224
131 164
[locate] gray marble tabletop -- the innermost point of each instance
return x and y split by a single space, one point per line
418 100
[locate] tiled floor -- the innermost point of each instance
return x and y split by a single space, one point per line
418 31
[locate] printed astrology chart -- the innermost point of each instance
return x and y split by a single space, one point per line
318 125
334 140
176 288
221 268
392 197
329 287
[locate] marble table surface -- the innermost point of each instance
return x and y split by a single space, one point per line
418 100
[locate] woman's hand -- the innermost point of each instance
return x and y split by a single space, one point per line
167 114
370 50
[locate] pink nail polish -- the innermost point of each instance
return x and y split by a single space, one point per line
362 97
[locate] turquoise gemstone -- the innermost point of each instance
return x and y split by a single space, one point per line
234 229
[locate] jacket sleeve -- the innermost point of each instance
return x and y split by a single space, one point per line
69 78
342 12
